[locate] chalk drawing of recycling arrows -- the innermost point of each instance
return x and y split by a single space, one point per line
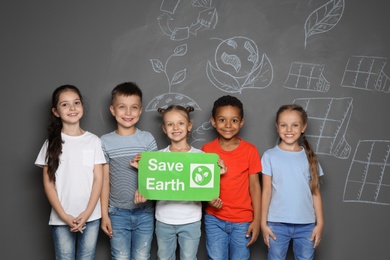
328 120
324 18
306 76
178 22
364 72
237 66
164 100
368 179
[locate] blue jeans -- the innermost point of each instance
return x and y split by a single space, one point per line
75 245
132 233
226 240
188 236
300 234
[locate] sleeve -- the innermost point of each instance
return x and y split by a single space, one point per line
255 162
152 146
266 164
99 155
41 158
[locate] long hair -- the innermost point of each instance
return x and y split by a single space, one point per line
54 148
311 156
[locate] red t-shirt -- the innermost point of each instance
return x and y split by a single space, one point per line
234 190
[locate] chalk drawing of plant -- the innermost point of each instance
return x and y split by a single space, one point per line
324 18
164 100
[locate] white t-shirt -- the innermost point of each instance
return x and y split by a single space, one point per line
179 212
74 176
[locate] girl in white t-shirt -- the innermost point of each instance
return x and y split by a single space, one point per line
72 160
177 222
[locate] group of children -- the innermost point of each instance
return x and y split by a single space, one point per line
92 182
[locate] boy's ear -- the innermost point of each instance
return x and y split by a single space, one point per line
212 120
242 122
112 110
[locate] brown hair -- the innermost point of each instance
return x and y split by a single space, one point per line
54 148
311 156
185 110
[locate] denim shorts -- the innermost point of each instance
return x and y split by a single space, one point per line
226 240
299 234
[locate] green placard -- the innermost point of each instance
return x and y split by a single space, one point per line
179 176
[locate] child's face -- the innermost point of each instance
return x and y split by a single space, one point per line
290 127
227 121
127 111
69 107
176 125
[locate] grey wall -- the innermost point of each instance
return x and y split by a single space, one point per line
328 56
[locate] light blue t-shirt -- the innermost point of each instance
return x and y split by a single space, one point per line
118 151
291 199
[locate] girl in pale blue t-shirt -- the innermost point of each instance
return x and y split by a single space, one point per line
291 197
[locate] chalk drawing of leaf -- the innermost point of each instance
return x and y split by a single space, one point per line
180 50
263 73
253 53
222 80
232 43
157 65
324 18
232 60
178 77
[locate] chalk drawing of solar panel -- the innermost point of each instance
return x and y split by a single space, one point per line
324 18
306 76
328 120
166 99
363 72
237 65
368 178
181 19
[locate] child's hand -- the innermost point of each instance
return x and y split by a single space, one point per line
267 234
80 222
138 197
221 164
135 161
216 203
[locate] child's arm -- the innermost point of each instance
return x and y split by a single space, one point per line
106 222
255 193
52 196
317 232
93 199
265 201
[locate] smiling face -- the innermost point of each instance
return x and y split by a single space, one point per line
227 121
290 127
176 125
69 107
127 111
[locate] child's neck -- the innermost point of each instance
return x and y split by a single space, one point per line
229 144
72 130
125 131
179 147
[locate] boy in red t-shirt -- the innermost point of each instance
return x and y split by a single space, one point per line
232 221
